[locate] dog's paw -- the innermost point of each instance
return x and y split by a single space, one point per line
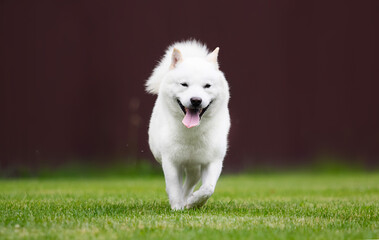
195 203
199 198
177 206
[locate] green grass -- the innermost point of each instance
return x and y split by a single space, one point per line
276 206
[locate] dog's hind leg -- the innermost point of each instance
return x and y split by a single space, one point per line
193 175
209 176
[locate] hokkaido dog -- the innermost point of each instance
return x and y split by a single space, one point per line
190 121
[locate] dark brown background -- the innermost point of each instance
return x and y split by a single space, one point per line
303 76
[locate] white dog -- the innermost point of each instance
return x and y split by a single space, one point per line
190 121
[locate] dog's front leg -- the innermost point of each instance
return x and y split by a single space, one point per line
210 174
173 177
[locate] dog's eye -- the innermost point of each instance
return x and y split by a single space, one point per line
207 85
184 84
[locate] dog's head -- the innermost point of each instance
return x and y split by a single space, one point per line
195 87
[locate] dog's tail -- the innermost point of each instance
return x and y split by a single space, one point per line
154 82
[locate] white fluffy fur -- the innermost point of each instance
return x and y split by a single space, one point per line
196 152
188 49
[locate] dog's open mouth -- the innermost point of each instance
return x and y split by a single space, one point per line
192 115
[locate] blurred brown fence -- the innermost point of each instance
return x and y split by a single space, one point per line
303 75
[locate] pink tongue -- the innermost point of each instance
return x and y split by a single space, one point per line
191 119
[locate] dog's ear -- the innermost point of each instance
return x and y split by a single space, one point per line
213 56
176 57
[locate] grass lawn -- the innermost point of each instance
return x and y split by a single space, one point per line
274 206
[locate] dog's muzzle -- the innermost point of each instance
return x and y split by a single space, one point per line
195 109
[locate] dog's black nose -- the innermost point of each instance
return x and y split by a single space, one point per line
196 101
